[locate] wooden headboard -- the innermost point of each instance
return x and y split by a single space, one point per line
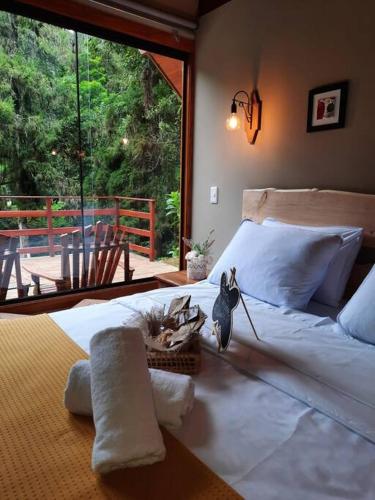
316 207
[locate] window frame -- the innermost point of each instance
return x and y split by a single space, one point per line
69 15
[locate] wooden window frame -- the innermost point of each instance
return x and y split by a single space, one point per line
95 22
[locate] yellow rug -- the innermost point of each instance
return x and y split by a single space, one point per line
45 452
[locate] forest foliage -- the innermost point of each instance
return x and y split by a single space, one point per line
122 95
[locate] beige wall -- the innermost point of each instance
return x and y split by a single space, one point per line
285 48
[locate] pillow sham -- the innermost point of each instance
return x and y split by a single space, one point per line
331 291
282 266
358 316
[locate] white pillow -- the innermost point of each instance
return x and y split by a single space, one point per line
332 289
358 316
283 266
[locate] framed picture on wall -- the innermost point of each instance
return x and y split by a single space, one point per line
327 107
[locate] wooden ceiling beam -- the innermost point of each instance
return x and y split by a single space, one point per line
111 21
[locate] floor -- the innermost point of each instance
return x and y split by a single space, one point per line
143 268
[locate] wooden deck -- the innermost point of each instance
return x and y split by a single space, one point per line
143 268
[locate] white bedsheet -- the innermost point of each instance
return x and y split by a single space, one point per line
263 442
307 356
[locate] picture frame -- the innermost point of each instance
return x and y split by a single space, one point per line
327 107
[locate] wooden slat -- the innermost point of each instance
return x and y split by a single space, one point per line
76 240
4 241
86 255
117 255
8 257
116 258
94 261
22 213
103 255
134 213
32 267
65 264
133 230
86 211
37 232
35 250
111 256
128 274
50 226
139 248
21 289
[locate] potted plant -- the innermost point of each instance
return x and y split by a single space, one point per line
197 258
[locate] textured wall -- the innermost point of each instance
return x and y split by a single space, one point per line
285 48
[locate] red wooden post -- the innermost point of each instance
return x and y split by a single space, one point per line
50 227
151 205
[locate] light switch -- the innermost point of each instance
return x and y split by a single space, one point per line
213 194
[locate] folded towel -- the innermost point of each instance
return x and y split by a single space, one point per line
127 432
173 397
173 394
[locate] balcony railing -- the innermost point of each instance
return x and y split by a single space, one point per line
50 213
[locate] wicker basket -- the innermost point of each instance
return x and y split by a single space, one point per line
187 362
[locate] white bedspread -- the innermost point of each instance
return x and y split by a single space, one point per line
263 442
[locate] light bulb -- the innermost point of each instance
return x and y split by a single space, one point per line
125 141
233 122
54 152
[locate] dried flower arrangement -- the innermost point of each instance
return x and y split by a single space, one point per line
175 330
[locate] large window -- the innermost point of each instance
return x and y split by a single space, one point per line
90 133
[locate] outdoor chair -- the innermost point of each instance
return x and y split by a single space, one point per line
85 262
9 257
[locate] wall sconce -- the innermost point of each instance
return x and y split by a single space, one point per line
252 107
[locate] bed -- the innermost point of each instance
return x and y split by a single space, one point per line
292 416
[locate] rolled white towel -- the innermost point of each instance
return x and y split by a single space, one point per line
173 397
173 394
77 393
127 432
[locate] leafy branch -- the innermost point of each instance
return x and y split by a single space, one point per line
201 248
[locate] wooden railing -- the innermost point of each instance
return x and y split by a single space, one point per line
116 212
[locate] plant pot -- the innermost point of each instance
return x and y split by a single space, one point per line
197 268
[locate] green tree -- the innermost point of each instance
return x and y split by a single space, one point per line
122 94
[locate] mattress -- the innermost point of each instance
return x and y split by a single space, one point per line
268 416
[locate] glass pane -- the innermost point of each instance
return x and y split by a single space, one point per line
38 159
89 145
131 127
